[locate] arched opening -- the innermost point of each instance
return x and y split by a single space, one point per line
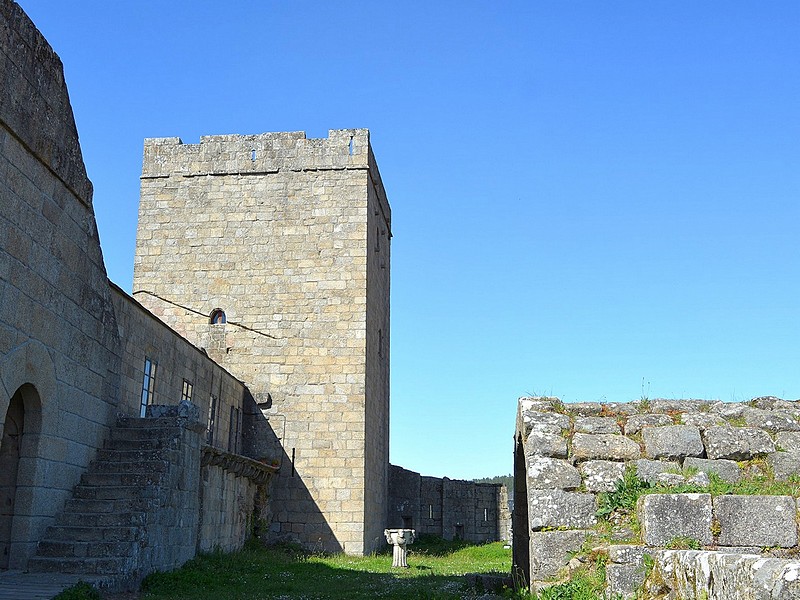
218 317
11 449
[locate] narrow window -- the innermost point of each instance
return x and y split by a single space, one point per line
485 514
233 432
430 511
212 417
377 240
253 154
186 393
148 385
380 343
218 317
351 146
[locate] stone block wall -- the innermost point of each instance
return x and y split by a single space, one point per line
290 237
58 339
233 500
568 454
449 508
144 336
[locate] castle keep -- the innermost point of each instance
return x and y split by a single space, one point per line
272 252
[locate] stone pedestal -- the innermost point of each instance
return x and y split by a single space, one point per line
399 539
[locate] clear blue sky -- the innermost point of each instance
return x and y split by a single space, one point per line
590 199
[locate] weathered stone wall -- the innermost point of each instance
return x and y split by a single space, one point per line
58 337
143 335
290 237
233 500
704 575
450 508
68 365
567 454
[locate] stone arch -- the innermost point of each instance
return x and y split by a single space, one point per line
28 381
20 424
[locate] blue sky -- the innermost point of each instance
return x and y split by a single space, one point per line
593 200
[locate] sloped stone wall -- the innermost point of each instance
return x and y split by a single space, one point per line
568 454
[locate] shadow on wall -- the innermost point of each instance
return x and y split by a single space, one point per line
292 514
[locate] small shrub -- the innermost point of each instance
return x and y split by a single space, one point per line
79 591
683 543
623 498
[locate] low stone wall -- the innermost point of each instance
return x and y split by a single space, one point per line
233 499
568 454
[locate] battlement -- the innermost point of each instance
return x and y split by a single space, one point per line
257 154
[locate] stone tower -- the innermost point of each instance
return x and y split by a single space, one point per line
272 253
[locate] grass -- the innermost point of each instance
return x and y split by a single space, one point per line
434 573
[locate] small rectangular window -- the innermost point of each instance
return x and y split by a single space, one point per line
186 394
148 385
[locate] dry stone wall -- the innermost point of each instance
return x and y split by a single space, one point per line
568 454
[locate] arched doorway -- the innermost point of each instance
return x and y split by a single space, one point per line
10 451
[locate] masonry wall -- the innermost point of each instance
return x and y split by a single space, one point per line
276 230
449 508
569 454
144 336
234 505
58 336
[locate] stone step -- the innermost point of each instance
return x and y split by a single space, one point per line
144 466
62 549
122 519
114 492
92 566
114 504
136 422
143 434
137 454
74 533
120 479
136 443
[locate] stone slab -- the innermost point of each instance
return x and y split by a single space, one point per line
737 443
552 473
727 470
603 446
664 517
557 508
767 521
672 442
550 551
601 475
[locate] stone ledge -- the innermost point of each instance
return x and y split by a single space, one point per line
241 466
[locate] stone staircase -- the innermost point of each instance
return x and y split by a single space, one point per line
101 533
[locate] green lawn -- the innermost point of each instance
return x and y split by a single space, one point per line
435 569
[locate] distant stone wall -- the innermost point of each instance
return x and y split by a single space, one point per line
450 508
567 454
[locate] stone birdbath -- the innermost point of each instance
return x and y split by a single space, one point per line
399 539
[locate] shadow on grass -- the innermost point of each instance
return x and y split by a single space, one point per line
287 572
